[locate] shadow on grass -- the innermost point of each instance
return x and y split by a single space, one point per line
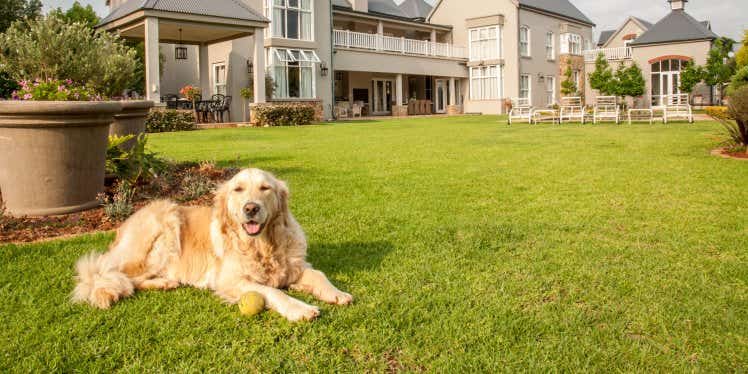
348 257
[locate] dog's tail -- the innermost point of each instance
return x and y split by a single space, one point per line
100 283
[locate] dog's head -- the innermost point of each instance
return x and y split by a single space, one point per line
250 201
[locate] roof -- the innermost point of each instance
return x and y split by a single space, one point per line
234 9
415 8
645 23
562 8
604 36
676 26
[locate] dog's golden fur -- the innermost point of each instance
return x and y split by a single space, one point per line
248 241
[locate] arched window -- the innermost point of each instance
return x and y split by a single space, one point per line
665 76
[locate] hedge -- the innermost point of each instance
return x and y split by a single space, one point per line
169 120
284 115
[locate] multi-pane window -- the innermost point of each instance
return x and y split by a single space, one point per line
290 19
550 90
293 72
485 43
219 78
550 47
666 79
577 79
571 44
485 82
524 86
524 41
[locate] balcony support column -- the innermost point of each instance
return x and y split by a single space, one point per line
399 110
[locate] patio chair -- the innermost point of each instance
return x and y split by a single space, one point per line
342 109
606 108
571 108
677 106
170 100
216 104
521 110
356 110
202 111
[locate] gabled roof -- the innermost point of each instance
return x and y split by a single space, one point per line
415 8
604 36
234 9
562 8
675 27
387 7
607 34
646 24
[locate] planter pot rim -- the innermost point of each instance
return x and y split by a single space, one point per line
137 104
15 107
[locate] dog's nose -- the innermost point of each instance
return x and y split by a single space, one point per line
251 209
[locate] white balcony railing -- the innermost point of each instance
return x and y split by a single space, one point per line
620 53
377 42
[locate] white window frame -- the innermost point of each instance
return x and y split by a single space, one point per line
529 87
571 44
480 77
216 83
527 43
271 5
550 46
577 76
282 57
550 89
474 36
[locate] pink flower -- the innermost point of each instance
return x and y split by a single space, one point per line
28 96
68 81
60 88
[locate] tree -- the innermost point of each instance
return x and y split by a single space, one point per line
99 59
78 13
690 75
738 80
569 86
719 66
741 58
602 78
630 81
15 10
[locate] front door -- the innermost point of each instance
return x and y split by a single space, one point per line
442 96
669 85
382 96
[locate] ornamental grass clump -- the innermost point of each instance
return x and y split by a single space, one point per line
734 121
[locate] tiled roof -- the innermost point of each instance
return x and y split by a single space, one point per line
604 36
415 8
559 7
676 26
234 9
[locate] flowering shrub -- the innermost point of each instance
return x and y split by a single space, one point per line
190 92
284 115
54 90
169 120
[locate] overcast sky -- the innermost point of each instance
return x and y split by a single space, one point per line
729 17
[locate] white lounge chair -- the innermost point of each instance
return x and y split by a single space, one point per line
606 108
571 108
521 110
677 106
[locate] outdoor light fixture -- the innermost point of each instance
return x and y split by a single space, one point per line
323 68
250 67
541 77
180 51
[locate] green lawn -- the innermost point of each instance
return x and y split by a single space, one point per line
469 246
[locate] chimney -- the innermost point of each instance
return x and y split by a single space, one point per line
677 4
360 5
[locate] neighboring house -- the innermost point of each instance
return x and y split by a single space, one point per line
459 57
659 49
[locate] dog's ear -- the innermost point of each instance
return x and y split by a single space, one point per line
283 195
220 219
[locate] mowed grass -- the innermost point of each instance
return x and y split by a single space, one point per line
470 246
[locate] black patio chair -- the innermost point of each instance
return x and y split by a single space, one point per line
216 104
171 101
224 107
202 110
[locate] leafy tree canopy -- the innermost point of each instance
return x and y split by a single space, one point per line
741 57
78 13
14 10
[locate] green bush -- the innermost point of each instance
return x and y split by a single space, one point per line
169 120
7 85
132 165
740 79
51 48
736 122
284 115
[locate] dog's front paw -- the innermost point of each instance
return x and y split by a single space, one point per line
299 311
341 298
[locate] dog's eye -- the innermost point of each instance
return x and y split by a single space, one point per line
264 188
239 189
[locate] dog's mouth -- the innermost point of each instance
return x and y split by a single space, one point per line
253 228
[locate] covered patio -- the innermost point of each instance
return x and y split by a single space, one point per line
196 22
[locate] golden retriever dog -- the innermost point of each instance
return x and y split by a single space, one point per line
248 241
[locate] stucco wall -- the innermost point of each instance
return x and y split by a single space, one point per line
179 73
616 40
698 51
352 60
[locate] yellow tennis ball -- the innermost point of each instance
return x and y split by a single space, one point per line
251 303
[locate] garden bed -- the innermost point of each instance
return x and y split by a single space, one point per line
724 153
187 183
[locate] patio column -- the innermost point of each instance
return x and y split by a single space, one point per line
399 109
152 76
452 107
451 91
204 71
259 66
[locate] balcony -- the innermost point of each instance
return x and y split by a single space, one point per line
378 42
612 54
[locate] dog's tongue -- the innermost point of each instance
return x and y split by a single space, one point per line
252 228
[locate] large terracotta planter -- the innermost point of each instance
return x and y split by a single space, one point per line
52 155
131 121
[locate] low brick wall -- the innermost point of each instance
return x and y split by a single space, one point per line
319 112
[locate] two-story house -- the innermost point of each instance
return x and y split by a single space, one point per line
377 53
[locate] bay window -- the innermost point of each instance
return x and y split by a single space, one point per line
292 71
524 41
485 82
571 44
290 19
485 43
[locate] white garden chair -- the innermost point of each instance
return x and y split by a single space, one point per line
571 108
677 106
606 108
521 110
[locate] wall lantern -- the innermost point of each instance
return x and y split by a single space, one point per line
541 78
250 67
180 51
323 69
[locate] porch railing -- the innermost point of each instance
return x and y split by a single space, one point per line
620 53
378 42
